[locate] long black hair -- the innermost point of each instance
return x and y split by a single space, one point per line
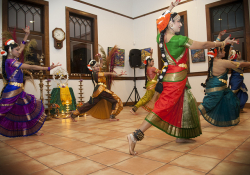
226 49
159 86
146 67
4 58
210 64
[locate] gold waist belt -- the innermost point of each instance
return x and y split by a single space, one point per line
183 65
102 84
16 84
216 89
175 77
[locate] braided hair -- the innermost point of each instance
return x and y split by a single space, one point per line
159 86
4 58
146 67
90 65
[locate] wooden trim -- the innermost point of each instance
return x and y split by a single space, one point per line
197 74
45 35
83 2
247 29
88 77
4 16
160 10
95 31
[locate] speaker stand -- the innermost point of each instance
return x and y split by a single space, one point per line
137 96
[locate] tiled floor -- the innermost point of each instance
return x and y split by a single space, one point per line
99 147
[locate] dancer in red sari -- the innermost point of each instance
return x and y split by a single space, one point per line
175 112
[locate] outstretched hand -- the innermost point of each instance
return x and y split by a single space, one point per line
222 32
151 51
173 4
54 65
122 73
228 41
99 56
27 30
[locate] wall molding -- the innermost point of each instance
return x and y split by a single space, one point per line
146 14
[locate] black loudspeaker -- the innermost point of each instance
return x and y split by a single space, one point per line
135 58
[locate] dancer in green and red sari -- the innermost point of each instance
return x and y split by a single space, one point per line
175 112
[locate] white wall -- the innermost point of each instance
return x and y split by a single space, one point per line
127 34
145 33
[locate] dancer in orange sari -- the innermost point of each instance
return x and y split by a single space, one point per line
175 112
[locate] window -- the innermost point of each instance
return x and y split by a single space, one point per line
81 41
231 16
34 14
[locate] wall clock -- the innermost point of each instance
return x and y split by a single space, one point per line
59 36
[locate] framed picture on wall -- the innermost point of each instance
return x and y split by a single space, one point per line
144 53
119 57
198 55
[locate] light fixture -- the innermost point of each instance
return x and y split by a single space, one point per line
219 19
32 21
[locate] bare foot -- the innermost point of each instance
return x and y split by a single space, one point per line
242 111
39 134
133 112
182 140
131 145
72 119
113 119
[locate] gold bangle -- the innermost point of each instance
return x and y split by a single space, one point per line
223 44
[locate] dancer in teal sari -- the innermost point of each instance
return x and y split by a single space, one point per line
220 106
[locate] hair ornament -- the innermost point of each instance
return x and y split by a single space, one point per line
163 20
233 55
89 67
212 53
146 60
3 53
9 41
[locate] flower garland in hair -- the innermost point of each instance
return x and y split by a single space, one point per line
233 55
146 60
3 53
89 65
212 53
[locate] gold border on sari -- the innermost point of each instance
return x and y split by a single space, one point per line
209 90
238 70
237 64
155 120
175 77
12 93
214 122
189 43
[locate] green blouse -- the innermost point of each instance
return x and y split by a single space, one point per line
177 46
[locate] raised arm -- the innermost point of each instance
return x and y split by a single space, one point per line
173 4
27 33
233 64
100 59
218 39
35 67
209 44
115 74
